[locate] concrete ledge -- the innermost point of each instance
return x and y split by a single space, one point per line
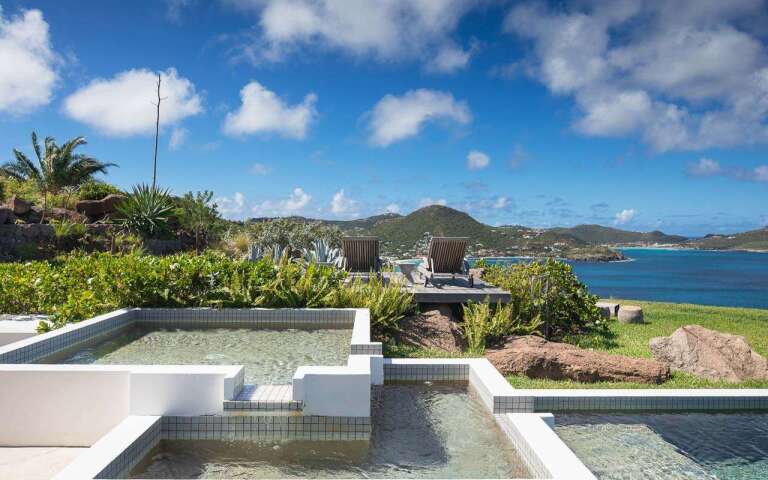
117 452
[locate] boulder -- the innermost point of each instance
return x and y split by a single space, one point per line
610 306
6 215
99 208
19 205
710 354
64 214
434 328
630 314
536 357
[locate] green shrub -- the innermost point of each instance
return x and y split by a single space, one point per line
485 323
146 211
298 286
95 190
387 301
549 294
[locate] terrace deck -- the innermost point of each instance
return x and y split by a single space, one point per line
449 290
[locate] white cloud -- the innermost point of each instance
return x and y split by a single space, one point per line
624 216
392 208
500 203
174 9
231 207
425 202
341 204
262 111
450 59
296 201
388 30
705 167
124 105
477 160
664 71
260 169
178 138
396 118
761 173
28 67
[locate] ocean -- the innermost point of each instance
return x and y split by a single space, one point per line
735 279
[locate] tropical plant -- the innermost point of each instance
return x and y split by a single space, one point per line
297 287
146 211
296 233
96 190
322 252
58 167
198 213
485 323
387 301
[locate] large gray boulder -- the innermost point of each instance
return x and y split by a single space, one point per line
536 357
95 209
19 205
710 354
433 328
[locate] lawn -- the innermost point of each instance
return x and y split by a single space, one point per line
661 319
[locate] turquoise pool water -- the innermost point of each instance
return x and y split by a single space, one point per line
737 279
669 446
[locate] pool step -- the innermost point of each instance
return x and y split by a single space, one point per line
264 397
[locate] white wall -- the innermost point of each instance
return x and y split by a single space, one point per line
171 391
60 405
333 391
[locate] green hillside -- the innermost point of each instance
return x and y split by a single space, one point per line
751 240
600 235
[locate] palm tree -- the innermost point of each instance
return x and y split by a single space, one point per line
58 167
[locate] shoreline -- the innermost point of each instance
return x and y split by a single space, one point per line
672 247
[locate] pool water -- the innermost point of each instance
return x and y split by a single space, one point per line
269 356
419 431
658 446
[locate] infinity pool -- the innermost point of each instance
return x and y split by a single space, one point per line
419 431
659 446
269 356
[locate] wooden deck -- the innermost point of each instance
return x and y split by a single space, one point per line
452 290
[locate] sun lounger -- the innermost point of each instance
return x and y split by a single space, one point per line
445 256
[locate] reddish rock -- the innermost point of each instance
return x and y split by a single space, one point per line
64 214
99 208
539 358
432 328
710 354
19 205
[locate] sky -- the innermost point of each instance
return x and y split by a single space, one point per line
639 115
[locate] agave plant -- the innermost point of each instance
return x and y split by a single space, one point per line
321 252
146 211
279 253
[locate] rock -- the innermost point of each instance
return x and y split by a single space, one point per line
19 205
99 208
64 214
630 314
6 215
612 307
605 312
536 357
710 354
432 328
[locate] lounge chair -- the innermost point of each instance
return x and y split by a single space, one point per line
445 257
360 255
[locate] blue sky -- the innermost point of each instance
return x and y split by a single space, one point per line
638 115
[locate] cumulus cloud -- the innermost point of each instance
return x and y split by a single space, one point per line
624 216
390 30
232 206
123 105
392 208
477 160
396 118
663 71
28 67
704 167
295 202
262 111
260 169
341 204
450 59
501 203
178 138
425 202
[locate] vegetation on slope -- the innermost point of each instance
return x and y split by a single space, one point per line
751 240
600 235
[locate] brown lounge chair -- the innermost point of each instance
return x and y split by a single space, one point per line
361 255
445 257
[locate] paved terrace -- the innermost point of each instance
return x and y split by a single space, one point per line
447 290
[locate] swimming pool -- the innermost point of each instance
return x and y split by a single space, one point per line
669 445
270 356
419 431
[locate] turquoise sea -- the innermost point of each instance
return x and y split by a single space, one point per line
738 279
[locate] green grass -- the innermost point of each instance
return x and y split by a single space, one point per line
632 340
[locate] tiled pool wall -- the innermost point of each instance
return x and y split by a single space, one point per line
136 451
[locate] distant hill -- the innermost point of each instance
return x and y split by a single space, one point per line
751 240
600 235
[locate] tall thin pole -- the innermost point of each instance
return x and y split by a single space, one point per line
157 133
